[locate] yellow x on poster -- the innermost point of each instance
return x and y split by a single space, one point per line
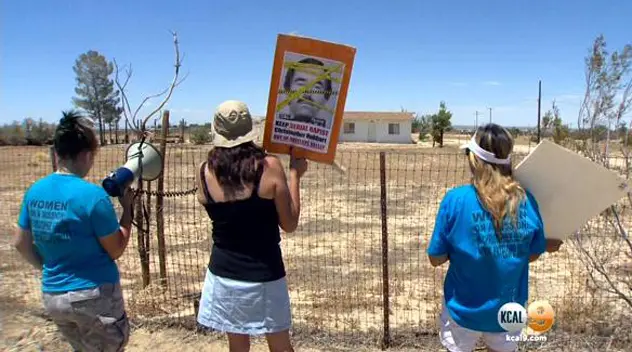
310 80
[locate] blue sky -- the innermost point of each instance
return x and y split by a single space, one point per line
411 54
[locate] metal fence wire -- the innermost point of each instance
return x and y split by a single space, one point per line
357 269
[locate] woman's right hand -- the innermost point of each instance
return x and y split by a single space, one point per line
298 166
127 199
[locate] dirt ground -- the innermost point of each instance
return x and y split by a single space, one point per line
31 331
334 260
25 332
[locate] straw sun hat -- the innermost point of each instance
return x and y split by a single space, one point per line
232 125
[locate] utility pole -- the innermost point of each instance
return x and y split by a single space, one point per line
476 121
539 105
490 115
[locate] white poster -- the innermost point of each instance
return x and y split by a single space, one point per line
569 188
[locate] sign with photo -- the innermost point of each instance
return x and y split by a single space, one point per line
310 80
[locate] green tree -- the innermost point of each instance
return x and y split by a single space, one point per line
201 135
422 125
607 97
111 117
13 134
39 133
606 104
95 90
515 131
552 125
622 134
440 123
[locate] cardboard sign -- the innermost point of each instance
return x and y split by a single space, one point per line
569 188
310 79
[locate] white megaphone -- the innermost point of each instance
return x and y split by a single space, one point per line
140 156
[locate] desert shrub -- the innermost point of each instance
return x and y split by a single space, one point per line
12 134
28 132
201 135
40 133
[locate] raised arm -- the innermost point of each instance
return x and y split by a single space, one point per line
287 197
199 194
112 233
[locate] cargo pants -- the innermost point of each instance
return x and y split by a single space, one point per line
92 319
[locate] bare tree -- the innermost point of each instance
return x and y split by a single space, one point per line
138 126
606 103
607 97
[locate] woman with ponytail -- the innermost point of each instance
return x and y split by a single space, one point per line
489 231
68 228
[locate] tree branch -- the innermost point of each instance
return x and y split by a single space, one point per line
174 83
127 110
138 125
592 265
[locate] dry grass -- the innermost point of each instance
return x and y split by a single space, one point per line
334 261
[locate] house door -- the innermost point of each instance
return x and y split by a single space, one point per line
372 132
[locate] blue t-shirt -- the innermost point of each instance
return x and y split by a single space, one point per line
484 272
66 216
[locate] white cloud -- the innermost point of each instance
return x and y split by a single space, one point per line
568 98
491 83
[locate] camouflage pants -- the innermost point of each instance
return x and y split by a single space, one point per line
91 320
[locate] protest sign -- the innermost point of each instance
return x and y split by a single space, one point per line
569 188
310 79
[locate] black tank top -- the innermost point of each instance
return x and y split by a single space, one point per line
246 237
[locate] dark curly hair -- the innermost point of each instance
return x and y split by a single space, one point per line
73 135
236 167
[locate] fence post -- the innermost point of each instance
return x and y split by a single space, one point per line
160 217
53 158
386 340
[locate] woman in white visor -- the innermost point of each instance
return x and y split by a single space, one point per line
489 231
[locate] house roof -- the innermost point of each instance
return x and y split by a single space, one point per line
377 115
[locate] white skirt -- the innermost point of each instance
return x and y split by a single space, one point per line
249 308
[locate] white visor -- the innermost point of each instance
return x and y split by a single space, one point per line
484 154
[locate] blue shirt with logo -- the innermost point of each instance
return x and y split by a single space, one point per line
484 272
66 216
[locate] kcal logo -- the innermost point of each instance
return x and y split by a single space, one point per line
539 316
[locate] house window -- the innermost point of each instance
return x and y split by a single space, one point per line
393 128
349 128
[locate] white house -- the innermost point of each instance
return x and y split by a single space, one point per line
377 127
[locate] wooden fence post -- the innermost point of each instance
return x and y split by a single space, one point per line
160 218
386 338
53 158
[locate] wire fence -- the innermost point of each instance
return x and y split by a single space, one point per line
356 267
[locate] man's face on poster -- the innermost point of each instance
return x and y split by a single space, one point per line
303 105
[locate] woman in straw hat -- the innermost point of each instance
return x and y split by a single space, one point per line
489 231
246 194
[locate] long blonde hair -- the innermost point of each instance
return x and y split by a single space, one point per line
499 193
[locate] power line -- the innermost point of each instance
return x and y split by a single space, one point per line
539 103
